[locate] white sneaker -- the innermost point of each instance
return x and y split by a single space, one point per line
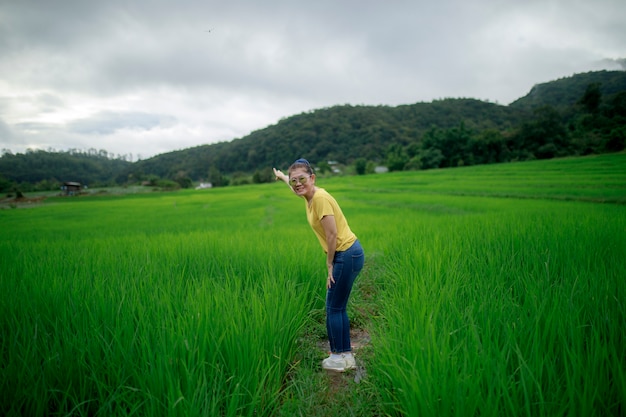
350 361
335 365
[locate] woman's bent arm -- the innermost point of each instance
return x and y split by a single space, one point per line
330 230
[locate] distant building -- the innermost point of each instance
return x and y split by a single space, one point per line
71 188
334 167
204 185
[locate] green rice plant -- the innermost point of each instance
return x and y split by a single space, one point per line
498 291
597 178
124 313
518 313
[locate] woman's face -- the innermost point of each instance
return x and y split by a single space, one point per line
301 181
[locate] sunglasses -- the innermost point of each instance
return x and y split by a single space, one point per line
301 180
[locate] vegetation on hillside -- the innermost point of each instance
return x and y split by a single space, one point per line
579 115
566 92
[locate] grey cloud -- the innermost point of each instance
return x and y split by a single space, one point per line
25 130
263 55
106 123
5 134
49 102
617 64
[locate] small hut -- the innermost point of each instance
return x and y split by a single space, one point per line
71 188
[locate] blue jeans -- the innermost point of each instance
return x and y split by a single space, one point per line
346 266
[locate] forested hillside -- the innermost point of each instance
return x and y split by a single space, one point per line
578 115
442 133
341 133
40 170
566 92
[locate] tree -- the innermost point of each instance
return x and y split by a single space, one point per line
617 140
488 147
215 177
396 157
360 166
545 136
590 101
184 182
323 167
5 185
454 145
262 176
239 178
430 158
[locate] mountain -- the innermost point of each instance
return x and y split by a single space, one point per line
340 133
37 166
565 92
345 133
581 114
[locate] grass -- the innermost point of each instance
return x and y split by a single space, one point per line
515 315
492 290
593 178
312 393
124 308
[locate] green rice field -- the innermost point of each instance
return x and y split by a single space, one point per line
494 290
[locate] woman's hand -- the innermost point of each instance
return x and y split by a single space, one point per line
330 230
330 280
280 176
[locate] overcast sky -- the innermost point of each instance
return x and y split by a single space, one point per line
144 77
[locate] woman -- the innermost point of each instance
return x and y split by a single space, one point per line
344 258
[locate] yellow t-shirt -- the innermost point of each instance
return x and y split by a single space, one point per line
324 204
